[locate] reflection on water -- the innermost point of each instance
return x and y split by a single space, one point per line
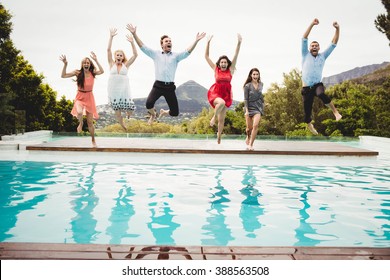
216 227
161 215
84 201
120 216
251 210
195 204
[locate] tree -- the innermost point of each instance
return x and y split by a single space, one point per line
25 102
382 22
7 64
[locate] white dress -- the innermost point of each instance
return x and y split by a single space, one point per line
119 96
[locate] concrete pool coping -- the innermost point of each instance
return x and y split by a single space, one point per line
199 146
51 251
203 147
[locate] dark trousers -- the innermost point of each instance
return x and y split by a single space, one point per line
168 91
308 94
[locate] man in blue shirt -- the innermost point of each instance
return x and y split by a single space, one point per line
312 65
165 65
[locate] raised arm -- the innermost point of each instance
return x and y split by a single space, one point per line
308 30
197 39
337 33
100 71
133 30
135 53
234 61
109 52
207 53
64 74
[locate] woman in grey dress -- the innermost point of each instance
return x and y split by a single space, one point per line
254 105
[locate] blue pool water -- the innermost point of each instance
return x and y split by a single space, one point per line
195 204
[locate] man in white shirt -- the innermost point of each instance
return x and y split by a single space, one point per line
165 65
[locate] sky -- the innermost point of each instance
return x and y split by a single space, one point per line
271 31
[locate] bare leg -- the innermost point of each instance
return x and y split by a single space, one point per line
118 115
255 128
221 123
334 110
312 129
91 128
129 114
80 118
152 113
219 104
248 130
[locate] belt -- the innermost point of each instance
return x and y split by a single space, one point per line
85 90
165 83
313 86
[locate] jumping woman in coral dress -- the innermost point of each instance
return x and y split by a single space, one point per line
119 95
84 103
220 94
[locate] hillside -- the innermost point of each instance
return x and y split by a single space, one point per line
355 73
375 78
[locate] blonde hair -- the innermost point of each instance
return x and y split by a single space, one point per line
124 55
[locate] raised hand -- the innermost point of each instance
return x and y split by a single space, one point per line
209 38
200 36
113 32
63 59
239 37
93 56
336 25
316 21
130 38
131 28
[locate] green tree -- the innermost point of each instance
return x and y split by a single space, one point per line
7 64
382 22
25 102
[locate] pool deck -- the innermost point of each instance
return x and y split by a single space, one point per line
202 146
55 251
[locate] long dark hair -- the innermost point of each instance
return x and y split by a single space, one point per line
224 57
249 78
81 75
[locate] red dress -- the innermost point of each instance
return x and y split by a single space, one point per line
222 88
85 99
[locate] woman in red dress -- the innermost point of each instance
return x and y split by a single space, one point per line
220 94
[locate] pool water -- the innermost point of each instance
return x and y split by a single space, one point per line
195 204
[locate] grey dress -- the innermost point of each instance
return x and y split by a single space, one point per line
254 99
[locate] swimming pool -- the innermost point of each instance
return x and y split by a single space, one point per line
222 202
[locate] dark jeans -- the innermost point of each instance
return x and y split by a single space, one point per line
168 91
308 94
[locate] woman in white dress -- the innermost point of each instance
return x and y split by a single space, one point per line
119 96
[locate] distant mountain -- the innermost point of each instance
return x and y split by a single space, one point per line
191 96
353 74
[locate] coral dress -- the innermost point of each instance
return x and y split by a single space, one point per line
222 87
119 95
85 98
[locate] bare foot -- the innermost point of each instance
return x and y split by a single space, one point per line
94 144
312 129
212 121
80 128
250 148
151 119
338 116
219 139
247 140
163 113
